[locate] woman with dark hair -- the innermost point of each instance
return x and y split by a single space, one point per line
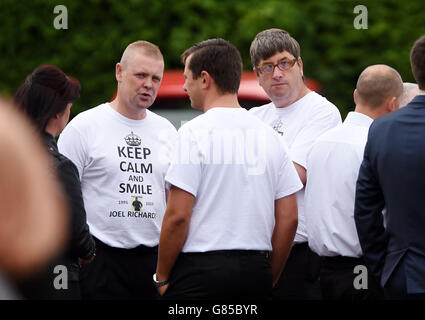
46 97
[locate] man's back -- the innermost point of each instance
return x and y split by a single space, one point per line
239 177
395 160
397 141
333 163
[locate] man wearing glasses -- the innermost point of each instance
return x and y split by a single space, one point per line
299 115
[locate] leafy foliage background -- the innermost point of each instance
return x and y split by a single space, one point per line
333 51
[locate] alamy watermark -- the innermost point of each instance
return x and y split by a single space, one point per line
360 281
60 282
221 146
61 20
360 21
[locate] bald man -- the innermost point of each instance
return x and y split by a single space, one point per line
410 90
121 151
333 165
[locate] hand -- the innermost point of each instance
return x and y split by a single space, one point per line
85 261
162 289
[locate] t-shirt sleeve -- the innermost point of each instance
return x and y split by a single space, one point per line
288 180
168 139
185 169
324 119
73 146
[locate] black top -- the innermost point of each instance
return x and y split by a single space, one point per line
81 243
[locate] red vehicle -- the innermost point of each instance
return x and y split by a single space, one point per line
173 103
172 96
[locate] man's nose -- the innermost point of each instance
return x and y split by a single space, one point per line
277 73
148 82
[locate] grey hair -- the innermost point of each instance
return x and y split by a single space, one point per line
271 41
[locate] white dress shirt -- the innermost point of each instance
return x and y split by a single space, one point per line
333 166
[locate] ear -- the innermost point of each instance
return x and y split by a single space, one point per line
392 104
355 96
300 63
118 72
256 72
206 80
60 114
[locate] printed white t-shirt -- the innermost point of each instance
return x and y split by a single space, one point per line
122 165
236 167
300 124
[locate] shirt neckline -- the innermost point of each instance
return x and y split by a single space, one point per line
130 122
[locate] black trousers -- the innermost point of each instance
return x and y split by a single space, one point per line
337 278
41 287
300 277
228 274
50 283
120 274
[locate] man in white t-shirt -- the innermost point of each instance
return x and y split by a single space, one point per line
231 215
333 166
122 152
299 116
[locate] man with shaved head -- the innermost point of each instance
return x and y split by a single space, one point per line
121 151
392 175
333 165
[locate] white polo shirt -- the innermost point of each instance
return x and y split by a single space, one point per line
300 124
333 167
236 166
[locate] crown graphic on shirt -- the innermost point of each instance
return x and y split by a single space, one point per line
132 139
278 127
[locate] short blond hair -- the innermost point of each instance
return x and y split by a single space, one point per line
377 83
146 47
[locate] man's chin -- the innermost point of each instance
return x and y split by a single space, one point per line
144 105
279 91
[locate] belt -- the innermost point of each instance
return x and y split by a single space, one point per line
300 244
342 261
140 249
230 253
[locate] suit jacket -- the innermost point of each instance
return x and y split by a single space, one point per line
392 175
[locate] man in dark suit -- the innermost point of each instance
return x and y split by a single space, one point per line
392 175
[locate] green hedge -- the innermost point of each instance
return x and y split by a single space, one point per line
333 51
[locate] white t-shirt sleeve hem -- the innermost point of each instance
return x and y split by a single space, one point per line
181 185
302 162
288 192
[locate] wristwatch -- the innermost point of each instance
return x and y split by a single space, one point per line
159 283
